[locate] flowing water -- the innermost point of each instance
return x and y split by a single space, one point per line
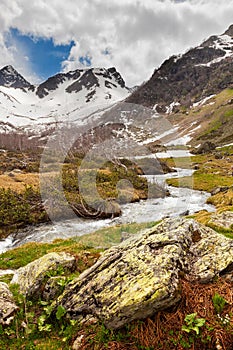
180 201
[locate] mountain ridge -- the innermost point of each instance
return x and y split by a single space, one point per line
89 97
188 78
64 97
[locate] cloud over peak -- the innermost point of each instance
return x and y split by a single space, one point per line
135 37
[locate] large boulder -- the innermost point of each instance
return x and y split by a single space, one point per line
142 275
31 277
7 305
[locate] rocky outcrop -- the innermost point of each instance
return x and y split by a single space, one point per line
7 305
224 220
9 77
200 72
205 147
31 277
142 275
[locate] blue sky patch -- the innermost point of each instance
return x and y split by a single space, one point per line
85 60
45 58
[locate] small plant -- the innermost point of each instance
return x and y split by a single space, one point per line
193 323
219 302
61 311
103 335
43 326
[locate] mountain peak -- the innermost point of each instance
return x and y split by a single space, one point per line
186 79
9 77
229 31
9 69
79 79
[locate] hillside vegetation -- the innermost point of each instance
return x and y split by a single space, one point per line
210 120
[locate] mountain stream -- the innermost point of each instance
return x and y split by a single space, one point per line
181 201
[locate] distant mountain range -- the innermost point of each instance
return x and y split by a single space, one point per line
98 96
71 95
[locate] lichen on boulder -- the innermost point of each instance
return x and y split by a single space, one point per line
7 305
142 275
31 277
224 220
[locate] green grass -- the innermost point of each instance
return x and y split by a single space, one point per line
226 232
180 162
107 237
212 172
25 333
201 181
23 255
93 242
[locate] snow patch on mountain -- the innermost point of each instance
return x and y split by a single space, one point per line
170 108
224 43
160 136
203 101
68 97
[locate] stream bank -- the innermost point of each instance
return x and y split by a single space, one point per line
181 201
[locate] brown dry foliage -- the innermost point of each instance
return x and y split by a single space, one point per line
164 330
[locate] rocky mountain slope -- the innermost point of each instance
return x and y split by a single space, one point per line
171 108
185 79
9 77
209 120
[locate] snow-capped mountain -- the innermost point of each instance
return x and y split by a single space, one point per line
9 77
90 97
186 79
70 97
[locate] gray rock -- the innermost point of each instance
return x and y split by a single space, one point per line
53 287
142 275
224 219
210 256
217 190
31 277
7 305
205 147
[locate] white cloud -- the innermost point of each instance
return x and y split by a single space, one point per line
137 36
15 53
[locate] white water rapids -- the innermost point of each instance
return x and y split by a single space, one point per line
181 200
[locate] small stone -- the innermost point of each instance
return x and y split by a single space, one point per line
205 147
77 345
217 190
126 235
7 305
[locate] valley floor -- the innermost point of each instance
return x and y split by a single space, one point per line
166 329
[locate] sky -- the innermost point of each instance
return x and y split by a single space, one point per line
41 38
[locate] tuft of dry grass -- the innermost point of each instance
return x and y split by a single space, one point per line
17 182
